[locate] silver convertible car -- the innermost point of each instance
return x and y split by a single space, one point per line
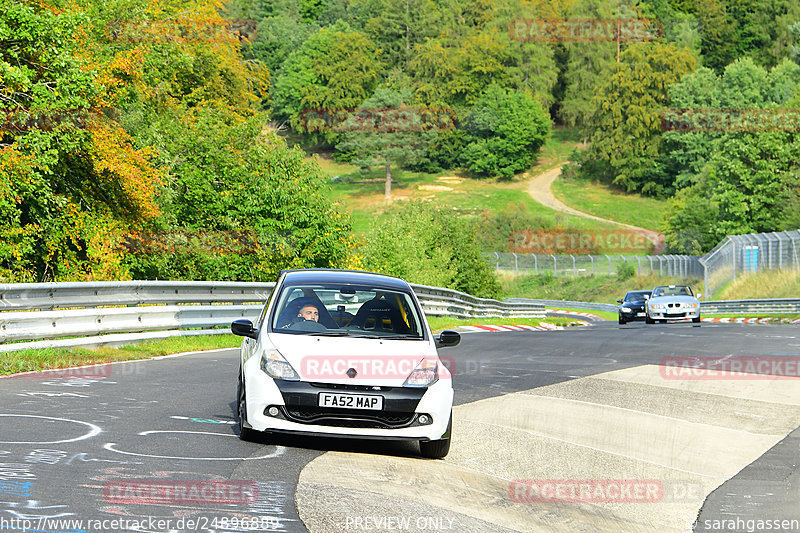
672 302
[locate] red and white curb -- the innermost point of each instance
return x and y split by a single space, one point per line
578 313
730 320
543 326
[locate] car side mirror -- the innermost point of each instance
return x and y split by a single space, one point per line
447 338
699 295
646 297
619 301
244 328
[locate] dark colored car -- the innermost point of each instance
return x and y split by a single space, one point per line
632 306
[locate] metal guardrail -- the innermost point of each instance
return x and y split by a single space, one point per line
92 313
561 304
713 307
742 307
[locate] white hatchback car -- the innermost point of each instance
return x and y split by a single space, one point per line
345 354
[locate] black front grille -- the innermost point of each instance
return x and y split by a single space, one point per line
348 418
343 386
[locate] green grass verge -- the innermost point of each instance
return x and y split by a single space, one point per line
606 201
48 358
440 323
605 315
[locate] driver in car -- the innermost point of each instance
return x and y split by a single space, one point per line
309 312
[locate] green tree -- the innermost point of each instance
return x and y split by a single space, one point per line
383 131
336 68
505 130
628 114
428 245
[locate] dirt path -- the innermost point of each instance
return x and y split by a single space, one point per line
539 189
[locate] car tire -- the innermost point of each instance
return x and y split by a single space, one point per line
245 433
648 320
622 320
437 449
696 320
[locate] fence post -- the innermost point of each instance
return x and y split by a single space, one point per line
497 262
639 269
535 264
592 259
555 266
609 264
573 265
516 263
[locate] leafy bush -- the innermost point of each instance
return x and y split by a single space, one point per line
427 245
505 130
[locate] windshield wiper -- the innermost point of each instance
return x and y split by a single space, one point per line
333 333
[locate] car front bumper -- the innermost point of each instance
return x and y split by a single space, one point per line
298 412
682 315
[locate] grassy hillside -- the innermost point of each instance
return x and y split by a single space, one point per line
608 202
773 284
602 289
361 193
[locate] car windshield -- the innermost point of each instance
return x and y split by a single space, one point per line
346 310
636 296
672 290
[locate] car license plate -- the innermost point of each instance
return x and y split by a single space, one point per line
350 401
639 314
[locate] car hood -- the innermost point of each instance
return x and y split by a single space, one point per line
673 299
381 362
634 305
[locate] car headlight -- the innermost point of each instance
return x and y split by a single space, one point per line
425 374
626 309
658 306
276 367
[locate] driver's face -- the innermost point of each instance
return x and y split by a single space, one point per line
309 312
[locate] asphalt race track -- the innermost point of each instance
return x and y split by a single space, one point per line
84 450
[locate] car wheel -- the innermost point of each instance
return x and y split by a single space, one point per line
437 449
621 320
245 433
648 320
696 320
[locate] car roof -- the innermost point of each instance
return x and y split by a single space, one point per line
349 277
